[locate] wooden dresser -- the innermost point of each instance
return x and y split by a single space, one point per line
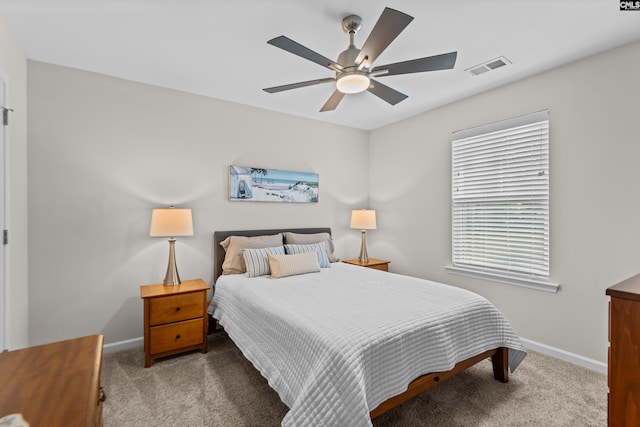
54 384
175 319
624 353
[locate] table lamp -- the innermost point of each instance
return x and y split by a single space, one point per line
171 222
363 220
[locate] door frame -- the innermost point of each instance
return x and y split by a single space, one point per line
4 212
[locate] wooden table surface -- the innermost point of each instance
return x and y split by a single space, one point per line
53 384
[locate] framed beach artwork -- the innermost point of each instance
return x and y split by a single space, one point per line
272 185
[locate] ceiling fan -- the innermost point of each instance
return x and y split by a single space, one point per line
353 67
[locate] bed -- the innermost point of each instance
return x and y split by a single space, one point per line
343 345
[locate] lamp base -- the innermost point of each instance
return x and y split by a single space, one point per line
172 278
363 248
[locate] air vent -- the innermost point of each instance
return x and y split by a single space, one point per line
481 69
488 66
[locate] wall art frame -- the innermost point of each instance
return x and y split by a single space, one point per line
247 184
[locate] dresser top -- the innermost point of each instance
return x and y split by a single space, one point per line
53 384
627 289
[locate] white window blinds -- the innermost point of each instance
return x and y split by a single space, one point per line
500 197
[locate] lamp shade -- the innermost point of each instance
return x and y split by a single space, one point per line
171 222
363 219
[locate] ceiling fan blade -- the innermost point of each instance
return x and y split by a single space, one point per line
385 93
332 102
389 25
446 61
296 48
298 85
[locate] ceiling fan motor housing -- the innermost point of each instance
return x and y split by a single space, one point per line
347 58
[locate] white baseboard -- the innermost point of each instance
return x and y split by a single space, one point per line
123 345
565 355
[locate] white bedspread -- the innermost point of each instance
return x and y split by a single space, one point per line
336 344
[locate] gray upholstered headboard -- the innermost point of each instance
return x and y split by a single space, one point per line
219 236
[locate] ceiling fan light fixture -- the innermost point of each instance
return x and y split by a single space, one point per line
354 82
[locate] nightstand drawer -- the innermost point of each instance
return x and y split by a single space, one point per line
176 308
176 335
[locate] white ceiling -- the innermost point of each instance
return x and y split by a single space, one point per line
218 48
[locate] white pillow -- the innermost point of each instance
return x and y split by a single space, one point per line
289 265
257 261
323 258
304 239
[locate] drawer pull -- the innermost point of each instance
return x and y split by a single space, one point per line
102 396
177 308
177 337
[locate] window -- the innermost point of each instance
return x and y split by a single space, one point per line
500 201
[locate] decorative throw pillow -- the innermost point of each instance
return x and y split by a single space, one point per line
304 239
323 258
257 261
290 265
233 245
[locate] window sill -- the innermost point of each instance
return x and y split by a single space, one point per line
525 283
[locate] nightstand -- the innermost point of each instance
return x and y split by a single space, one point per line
175 319
377 264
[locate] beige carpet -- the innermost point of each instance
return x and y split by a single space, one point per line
221 388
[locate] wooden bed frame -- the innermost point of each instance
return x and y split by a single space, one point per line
499 356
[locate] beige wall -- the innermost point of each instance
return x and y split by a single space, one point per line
103 152
13 66
595 185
